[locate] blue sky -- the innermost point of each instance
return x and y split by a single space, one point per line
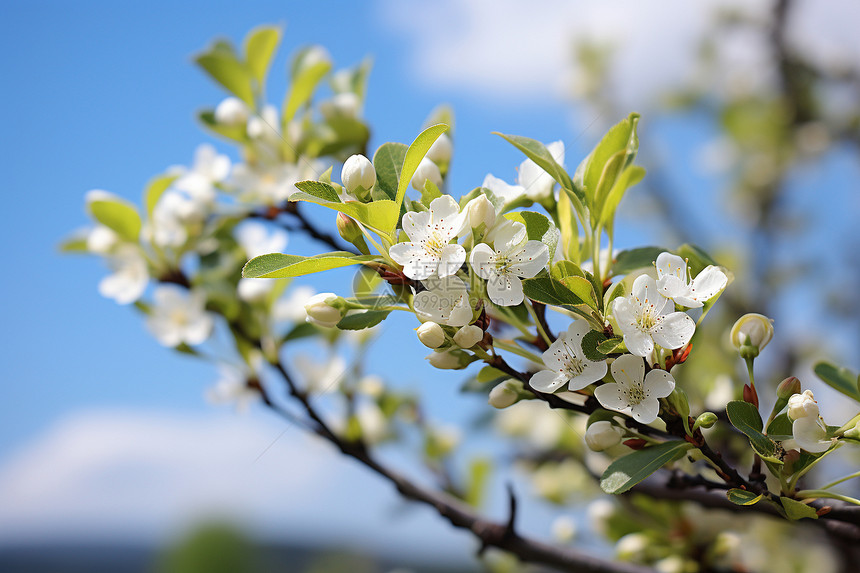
102 95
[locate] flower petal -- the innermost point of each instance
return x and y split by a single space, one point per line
547 381
708 283
508 235
483 260
810 436
610 396
592 372
505 290
645 411
674 330
671 265
638 342
461 314
628 370
658 384
416 225
452 258
646 296
417 263
444 215
530 259
555 356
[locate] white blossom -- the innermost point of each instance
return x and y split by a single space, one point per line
431 334
357 172
634 392
342 105
259 239
129 278
564 529
321 376
266 126
426 171
320 310
209 168
646 319
445 301
101 239
232 388
673 282
268 184
512 258
504 191
538 183
429 253
179 316
231 111
752 329
173 216
441 150
810 433
468 336
802 405
292 307
602 435
476 212
567 364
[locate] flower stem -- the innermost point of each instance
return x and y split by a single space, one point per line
540 327
840 480
813 493
514 349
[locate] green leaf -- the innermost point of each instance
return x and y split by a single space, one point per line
231 132
563 269
583 288
281 266
780 426
538 228
76 243
537 152
615 152
745 417
796 510
225 68
379 215
550 291
299 331
302 89
155 189
628 178
362 320
118 215
610 345
635 259
625 472
839 378
490 374
479 475
414 155
388 161
591 343
743 497
429 193
260 46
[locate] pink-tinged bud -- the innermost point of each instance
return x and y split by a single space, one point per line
788 387
635 443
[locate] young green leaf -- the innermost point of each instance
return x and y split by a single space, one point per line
304 84
118 215
633 259
745 417
619 147
225 68
743 497
281 266
627 471
839 378
538 228
550 291
362 320
155 189
379 215
591 345
388 161
796 510
260 46
537 152
414 155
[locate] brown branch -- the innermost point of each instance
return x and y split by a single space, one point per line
292 209
489 533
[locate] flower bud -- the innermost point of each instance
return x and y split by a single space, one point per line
602 435
449 360
788 388
753 331
426 170
468 336
505 394
853 432
802 406
440 151
431 335
320 310
564 529
357 172
480 210
705 420
232 112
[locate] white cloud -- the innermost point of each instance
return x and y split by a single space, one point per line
145 476
505 50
